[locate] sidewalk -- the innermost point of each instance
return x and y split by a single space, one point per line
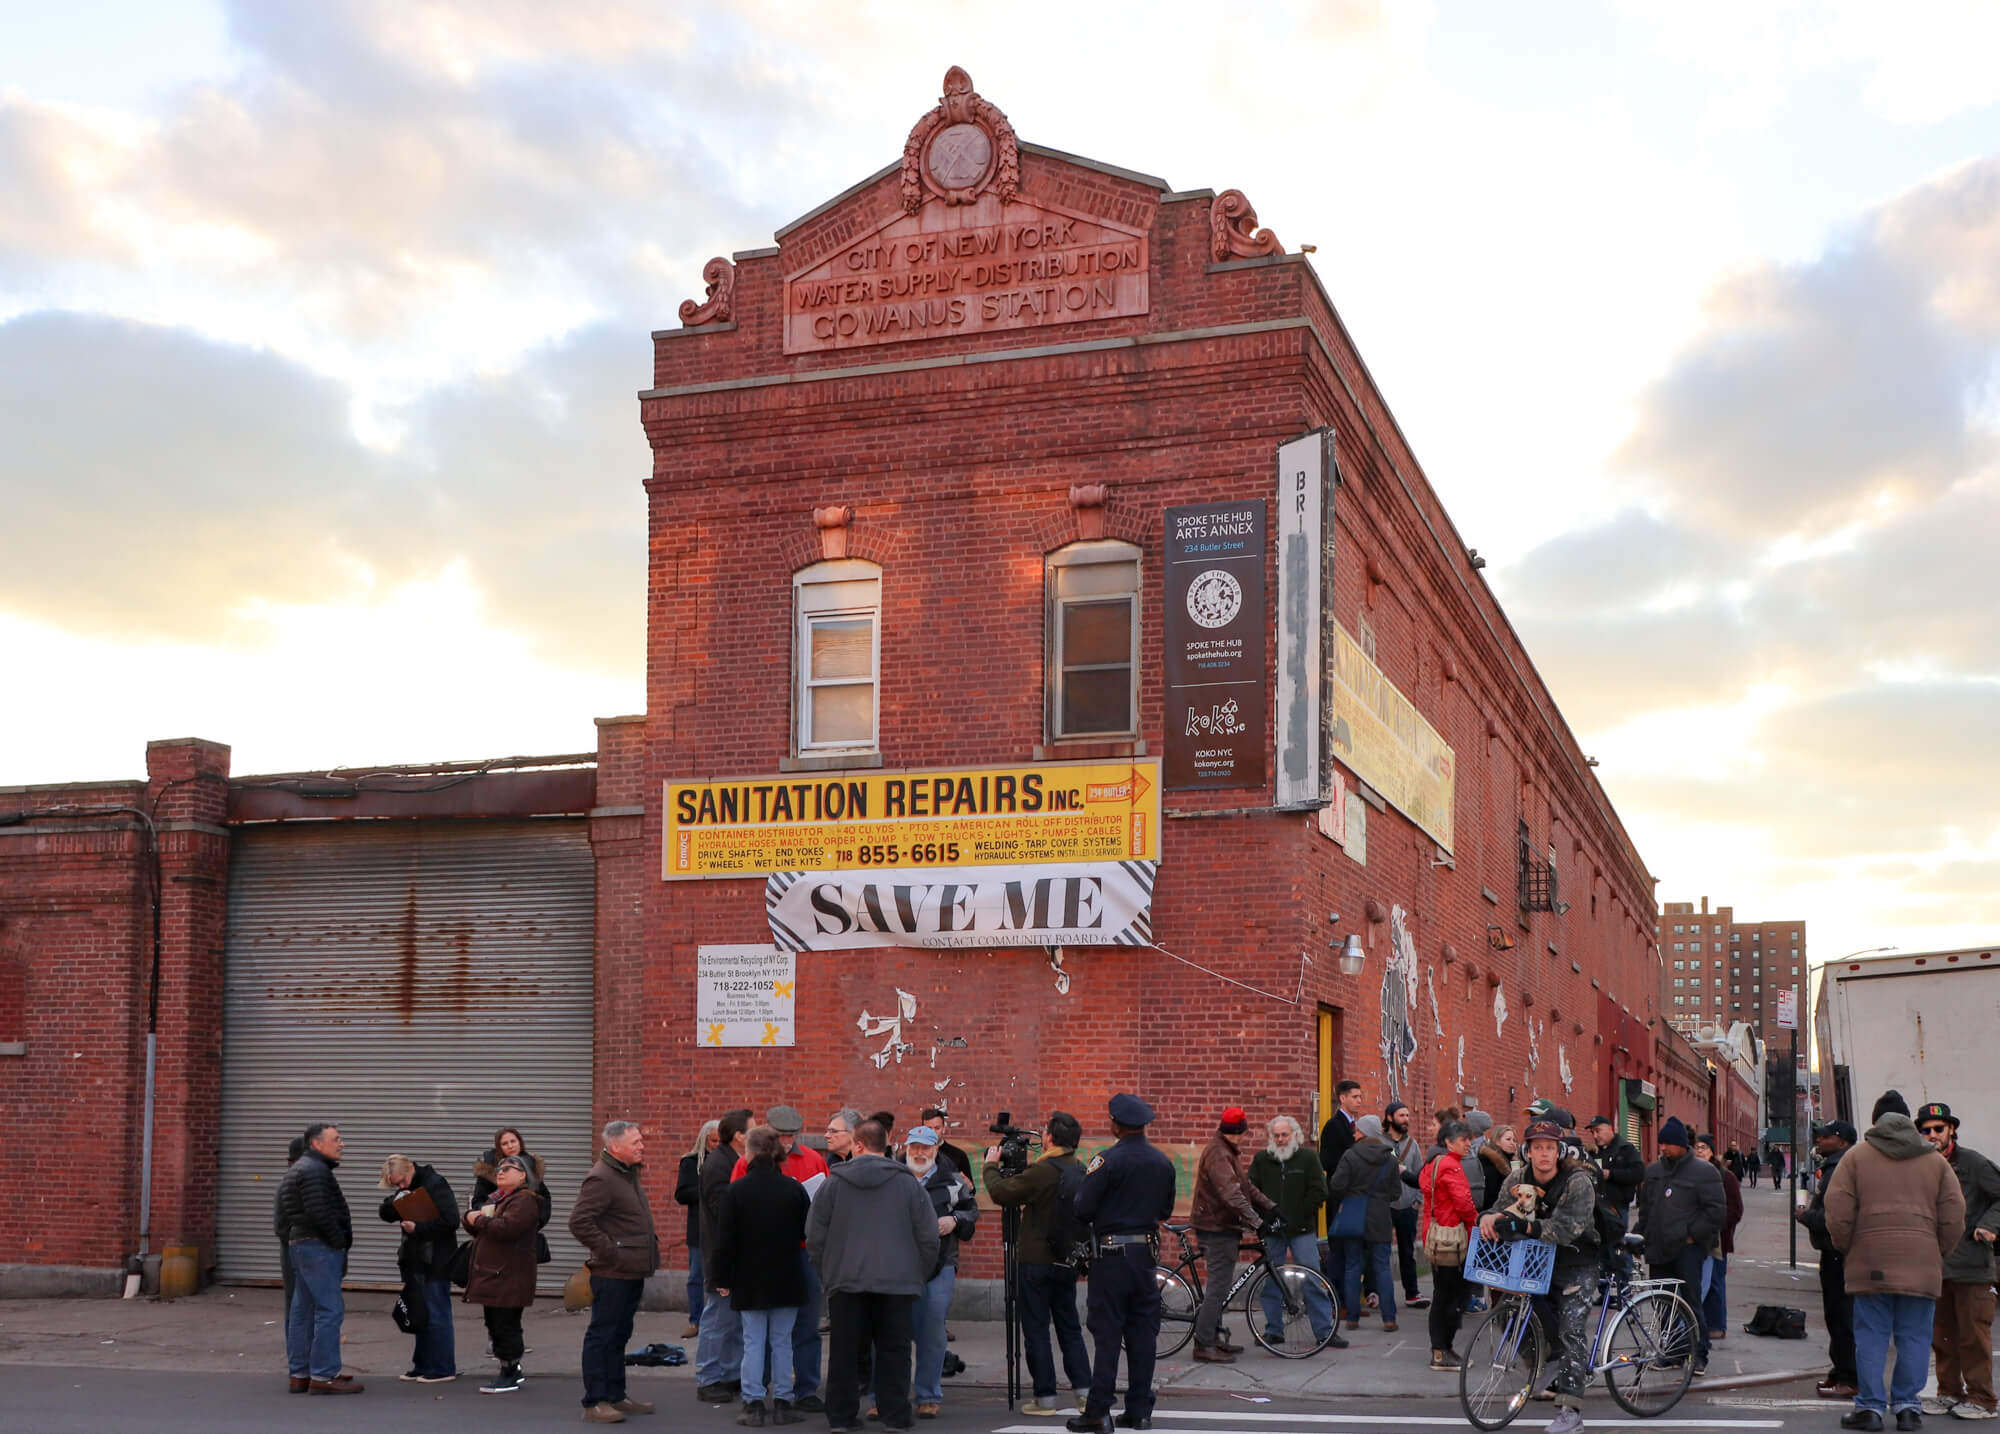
225 1329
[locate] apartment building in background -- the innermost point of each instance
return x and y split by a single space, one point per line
1716 970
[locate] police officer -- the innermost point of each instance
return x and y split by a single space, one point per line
1127 1191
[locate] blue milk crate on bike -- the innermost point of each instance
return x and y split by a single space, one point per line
1522 1267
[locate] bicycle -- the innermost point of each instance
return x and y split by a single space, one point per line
1643 1342
1180 1287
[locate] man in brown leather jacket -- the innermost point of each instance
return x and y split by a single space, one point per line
612 1220
1225 1205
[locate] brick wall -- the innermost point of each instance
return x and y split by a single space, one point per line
74 937
959 476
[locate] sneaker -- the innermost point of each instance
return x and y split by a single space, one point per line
1833 1389
1334 1341
1043 1404
1373 1301
505 1382
1417 1302
602 1414
410 1376
1701 1369
1445 1361
1567 1421
1938 1403
436 1378
1968 1410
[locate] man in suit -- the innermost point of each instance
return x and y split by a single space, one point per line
1336 1137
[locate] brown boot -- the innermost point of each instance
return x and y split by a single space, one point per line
339 1384
1209 1354
299 1385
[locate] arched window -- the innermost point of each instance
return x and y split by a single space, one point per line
837 640
1092 630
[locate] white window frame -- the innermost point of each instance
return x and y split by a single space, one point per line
1082 554
808 606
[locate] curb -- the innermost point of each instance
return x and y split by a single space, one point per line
1740 1381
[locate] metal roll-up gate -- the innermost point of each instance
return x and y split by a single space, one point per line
419 983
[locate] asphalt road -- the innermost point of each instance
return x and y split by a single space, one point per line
48 1400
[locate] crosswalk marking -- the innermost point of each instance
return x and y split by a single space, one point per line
1244 1422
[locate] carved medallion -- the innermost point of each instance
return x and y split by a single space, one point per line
960 149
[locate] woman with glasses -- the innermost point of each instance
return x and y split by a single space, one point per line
502 1277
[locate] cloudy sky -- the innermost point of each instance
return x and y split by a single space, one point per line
320 325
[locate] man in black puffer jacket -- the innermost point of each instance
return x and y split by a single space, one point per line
313 1215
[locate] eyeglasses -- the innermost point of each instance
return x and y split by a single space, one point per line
1932 1129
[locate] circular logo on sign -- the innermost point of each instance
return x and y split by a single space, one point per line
1214 598
959 155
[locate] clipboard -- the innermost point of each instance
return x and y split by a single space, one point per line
415 1204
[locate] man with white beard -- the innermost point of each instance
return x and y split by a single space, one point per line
1290 1175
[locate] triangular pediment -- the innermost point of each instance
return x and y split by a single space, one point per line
968 244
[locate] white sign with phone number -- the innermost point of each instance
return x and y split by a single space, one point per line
744 996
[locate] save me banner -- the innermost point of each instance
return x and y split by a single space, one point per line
1086 904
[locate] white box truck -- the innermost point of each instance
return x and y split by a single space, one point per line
1926 1024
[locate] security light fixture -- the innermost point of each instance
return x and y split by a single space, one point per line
1352 958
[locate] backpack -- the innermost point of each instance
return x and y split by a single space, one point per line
1068 1237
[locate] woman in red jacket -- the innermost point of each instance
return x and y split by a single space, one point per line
1447 1201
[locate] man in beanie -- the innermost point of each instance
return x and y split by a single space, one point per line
1895 1210
1403 1211
1962 1332
1225 1206
1681 1210
1831 1142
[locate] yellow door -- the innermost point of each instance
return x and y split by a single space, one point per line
1323 1102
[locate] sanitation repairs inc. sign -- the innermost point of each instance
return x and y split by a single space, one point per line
1090 904
1043 814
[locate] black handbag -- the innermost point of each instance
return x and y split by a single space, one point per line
461 1264
1777 1322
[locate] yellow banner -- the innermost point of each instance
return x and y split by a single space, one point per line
1048 812
1387 743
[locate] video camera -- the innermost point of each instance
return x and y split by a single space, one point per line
1014 1143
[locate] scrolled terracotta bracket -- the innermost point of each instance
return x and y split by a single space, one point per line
833 524
1088 501
1233 231
719 308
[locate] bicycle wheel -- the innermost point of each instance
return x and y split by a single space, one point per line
1649 1353
1177 1307
1305 1310
1503 1359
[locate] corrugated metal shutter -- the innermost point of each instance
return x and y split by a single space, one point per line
419 984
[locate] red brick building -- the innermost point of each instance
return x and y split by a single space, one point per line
983 619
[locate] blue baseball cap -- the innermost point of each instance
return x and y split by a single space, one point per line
1131 1111
921 1135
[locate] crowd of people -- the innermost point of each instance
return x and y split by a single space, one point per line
821 1274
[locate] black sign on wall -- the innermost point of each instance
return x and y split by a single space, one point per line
1217 701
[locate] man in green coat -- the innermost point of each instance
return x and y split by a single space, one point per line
1290 1175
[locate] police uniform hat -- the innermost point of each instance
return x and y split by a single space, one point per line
1936 1110
1129 1110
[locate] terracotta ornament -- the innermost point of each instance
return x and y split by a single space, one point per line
720 276
1233 231
960 149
